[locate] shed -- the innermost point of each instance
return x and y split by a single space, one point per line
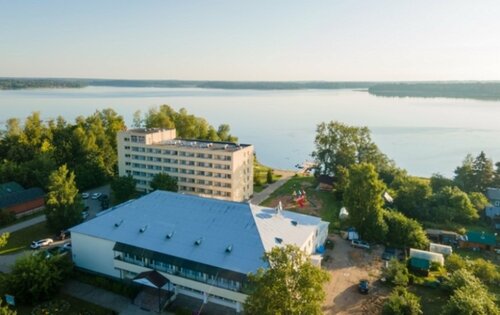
475 239
420 263
429 256
439 248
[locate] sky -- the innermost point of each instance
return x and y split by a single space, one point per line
350 40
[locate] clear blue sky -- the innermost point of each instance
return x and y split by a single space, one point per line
252 40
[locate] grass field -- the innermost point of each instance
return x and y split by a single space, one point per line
21 240
322 203
77 307
260 176
431 299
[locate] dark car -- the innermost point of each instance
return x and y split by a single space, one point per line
363 286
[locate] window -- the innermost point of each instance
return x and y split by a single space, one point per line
127 147
126 139
497 203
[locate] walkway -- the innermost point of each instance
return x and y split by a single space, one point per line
259 197
24 224
101 297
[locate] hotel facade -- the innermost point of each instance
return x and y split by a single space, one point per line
204 247
221 170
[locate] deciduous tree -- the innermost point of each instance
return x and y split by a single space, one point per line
124 188
402 302
412 196
403 232
363 200
63 205
290 285
163 181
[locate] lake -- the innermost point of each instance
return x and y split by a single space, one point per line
422 135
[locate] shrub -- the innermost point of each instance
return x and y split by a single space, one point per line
455 262
486 271
6 217
402 302
396 273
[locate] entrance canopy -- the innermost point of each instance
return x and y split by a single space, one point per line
152 279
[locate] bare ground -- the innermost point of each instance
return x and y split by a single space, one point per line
347 266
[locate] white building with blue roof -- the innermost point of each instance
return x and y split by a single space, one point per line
205 247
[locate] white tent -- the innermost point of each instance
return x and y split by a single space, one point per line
343 213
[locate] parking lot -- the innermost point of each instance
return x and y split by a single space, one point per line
347 266
95 205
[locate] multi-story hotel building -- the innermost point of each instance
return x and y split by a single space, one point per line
204 247
222 170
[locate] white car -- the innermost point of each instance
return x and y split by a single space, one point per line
40 243
96 196
85 195
360 244
67 246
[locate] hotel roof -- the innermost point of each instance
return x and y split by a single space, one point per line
223 234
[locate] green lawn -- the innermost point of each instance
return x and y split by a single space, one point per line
330 207
23 218
260 172
431 299
77 307
22 239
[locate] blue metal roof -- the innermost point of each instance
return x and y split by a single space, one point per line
249 230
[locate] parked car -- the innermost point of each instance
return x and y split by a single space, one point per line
85 195
103 197
363 286
40 243
96 196
360 244
391 252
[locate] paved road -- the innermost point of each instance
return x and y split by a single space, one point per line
258 198
24 224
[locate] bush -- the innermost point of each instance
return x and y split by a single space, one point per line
486 271
6 217
454 262
402 302
116 286
54 307
396 273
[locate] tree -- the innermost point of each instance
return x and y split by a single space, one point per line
5 310
4 237
38 277
496 179
470 296
337 144
396 273
438 182
464 174
63 205
269 176
291 284
454 262
486 271
467 301
452 205
123 188
402 302
479 201
363 200
163 181
403 232
412 196
483 172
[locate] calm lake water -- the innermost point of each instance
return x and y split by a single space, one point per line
424 136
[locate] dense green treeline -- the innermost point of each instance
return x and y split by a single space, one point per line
473 90
31 150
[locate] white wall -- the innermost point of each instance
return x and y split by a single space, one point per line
93 253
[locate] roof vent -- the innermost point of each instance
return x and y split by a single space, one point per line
117 224
143 229
169 235
294 223
229 248
278 240
198 241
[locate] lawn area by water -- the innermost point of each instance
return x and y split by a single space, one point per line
320 203
21 239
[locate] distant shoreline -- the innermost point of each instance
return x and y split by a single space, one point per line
479 90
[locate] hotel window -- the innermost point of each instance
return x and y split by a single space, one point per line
127 163
133 138
126 139
127 155
127 147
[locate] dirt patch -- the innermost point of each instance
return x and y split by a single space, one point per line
347 266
